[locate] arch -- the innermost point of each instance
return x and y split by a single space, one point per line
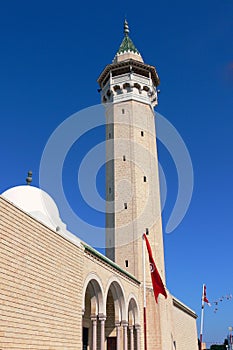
109 93
146 88
94 284
127 87
116 87
137 86
119 299
133 311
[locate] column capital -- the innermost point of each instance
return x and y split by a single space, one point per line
137 327
102 317
131 327
124 323
93 317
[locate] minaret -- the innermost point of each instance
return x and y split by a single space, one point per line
129 93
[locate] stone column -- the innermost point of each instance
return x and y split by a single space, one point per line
138 328
94 332
118 335
131 329
102 332
125 335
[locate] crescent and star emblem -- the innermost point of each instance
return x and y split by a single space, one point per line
152 267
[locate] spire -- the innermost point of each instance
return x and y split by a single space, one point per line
126 28
127 44
127 49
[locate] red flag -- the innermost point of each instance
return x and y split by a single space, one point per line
204 298
157 283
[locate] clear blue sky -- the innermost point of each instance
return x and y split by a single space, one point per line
51 55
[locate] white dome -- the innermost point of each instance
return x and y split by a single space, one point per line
37 203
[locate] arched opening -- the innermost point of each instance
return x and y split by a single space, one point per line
110 330
117 89
127 87
133 322
93 309
138 87
115 315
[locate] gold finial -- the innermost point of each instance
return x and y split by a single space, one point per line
29 178
126 28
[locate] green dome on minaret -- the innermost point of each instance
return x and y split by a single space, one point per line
127 44
127 48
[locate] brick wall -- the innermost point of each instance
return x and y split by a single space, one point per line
40 274
184 323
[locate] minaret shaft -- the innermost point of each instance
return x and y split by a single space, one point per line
132 186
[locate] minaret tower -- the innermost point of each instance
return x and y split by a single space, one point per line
129 93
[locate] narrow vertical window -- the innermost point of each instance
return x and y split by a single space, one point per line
124 158
126 263
147 231
125 205
144 178
109 135
142 133
123 111
110 190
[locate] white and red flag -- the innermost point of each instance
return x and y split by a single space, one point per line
157 283
204 297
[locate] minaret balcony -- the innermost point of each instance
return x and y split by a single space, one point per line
129 86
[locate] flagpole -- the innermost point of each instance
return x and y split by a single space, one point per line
144 291
202 316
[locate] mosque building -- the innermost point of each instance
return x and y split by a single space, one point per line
57 292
